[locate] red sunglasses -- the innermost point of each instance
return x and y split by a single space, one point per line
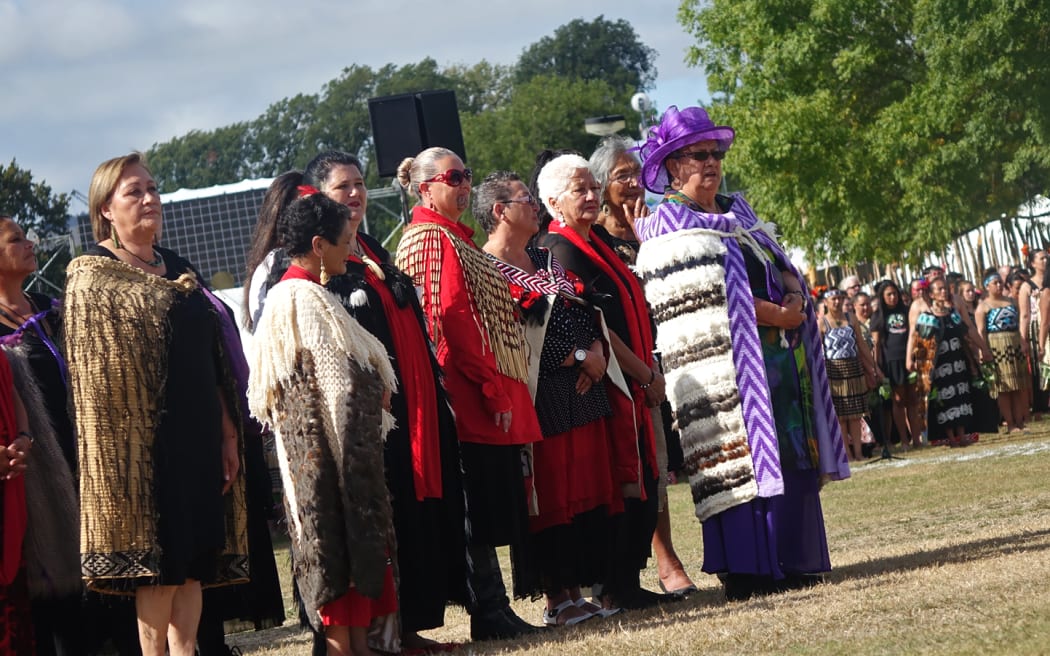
453 177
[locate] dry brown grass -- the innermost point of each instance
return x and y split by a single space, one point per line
943 552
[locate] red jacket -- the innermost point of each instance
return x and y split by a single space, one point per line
476 388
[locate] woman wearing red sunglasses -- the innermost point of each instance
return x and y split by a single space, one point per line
481 346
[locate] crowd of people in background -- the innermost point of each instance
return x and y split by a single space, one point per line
426 406
952 358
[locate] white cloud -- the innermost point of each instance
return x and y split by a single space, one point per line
90 79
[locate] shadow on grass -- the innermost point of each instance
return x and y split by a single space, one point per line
710 603
962 552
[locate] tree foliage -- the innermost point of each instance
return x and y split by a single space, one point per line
545 112
880 128
507 113
597 50
30 203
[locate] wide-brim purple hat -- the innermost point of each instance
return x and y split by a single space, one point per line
676 130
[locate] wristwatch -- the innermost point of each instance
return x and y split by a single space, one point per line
580 355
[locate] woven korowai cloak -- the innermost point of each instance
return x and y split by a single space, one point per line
697 284
318 378
117 340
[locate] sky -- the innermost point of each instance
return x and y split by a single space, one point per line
87 80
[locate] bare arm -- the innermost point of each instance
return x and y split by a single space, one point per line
639 371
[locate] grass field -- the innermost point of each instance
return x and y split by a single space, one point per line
946 551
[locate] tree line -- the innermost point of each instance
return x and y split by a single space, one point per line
873 131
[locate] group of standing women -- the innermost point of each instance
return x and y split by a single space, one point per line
429 407
146 468
956 364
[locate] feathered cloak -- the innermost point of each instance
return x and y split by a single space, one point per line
696 281
318 378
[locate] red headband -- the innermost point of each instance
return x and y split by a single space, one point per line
307 190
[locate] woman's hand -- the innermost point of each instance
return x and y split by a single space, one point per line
656 392
592 368
636 209
231 457
14 457
503 420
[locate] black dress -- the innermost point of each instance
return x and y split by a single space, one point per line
431 534
187 456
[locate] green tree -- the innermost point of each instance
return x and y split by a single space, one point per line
32 204
201 159
598 50
881 128
545 112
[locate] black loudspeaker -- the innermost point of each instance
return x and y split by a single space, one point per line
406 124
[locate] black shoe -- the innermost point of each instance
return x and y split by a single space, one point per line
526 628
499 625
640 599
741 587
799 581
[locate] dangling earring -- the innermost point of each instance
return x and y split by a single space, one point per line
561 219
324 274
605 208
116 241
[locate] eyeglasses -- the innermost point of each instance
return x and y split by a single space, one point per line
857 286
453 177
702 155
529 199
626 176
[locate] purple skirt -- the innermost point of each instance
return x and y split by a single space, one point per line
774 536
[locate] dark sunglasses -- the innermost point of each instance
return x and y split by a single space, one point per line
702 155
453 177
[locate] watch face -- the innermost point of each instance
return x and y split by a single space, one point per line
580 355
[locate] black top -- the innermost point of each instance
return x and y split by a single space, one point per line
891 325
599 289
570 326
187 457
48 375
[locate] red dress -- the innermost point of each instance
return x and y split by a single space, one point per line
16 630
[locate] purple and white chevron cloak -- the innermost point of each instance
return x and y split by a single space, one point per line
697 285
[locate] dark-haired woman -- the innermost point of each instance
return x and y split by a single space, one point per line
29 330
267 262
481 347
889 334
321 382
421 452
999 325
952 367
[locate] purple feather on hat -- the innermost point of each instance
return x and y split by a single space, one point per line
676 130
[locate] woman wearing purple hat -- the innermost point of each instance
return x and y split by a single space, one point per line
745 369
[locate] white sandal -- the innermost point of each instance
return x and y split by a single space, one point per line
550 617
596 609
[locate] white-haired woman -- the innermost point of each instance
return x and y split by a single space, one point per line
617 169
571 194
